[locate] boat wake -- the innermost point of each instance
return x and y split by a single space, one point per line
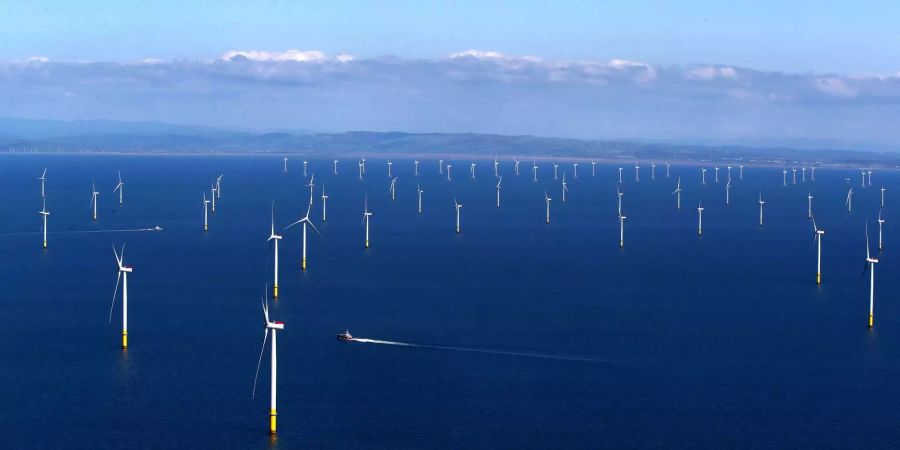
129 230
483 350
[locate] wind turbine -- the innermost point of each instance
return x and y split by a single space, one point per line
593 169
305 221
441 166
420 191
761 203
803 174
794 175
620 174
219 186
870 177
274 326
517 166
882 196
677 194
43 212
849 201
574 170
448 171
565 188
472 170
784 177
94 195
703 175
285 165
729 173
335 166
717 174
880 226
123 274
212 189
360 169
394 188
547 200
416 167
621 230
42 179
812 173
809 198
305 163
870 264
496 167
205 213
458 207
389 169
534 169
311 186
652 170
500 180
555 170
362 161
741 175
619 194
366 215
121 188
667 169
728 192
818 239
700 219
276 238
637 172
324 199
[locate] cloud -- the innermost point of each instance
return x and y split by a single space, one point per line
472 90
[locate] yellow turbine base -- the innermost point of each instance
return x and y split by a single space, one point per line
818 278
45 244
621 244
275 293
95 217
205 227
699 232
367 243
303 264
124 340
871 321
272 420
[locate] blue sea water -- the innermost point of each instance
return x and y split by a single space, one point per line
527 335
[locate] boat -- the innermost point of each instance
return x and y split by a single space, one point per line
157 228
345 336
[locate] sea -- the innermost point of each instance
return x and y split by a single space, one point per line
513 333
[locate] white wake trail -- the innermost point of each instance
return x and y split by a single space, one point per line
128 230
482 350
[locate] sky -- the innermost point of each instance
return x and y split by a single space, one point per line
784 70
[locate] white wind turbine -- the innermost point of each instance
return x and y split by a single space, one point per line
121 188
882 196
619 195
803 174
741 175
416 167
809 198
729 173
637 172
717 174
812 173
880 226
212 189
441 166
366 215
305 221
335 166
219 186
458 207
390 164
472 170
205 213
449 166
311 186
360 164
784 177
394 188
700 219
565 188
862 172
621 230
44 213
43 179
285 165
496 167
419 191
362 161
305 163
677 194
534 169
870 264
728 192
849 200
620 174
274 327
652 170
517 166
667 169
593 169
324 199
870 177
123 275
761 203
703 175
574 171
547 200
94 195
499 180
794 175
274 237
555 171
817 238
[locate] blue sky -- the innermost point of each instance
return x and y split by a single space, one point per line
740 72
793 36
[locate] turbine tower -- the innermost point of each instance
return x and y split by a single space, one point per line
849 200
621 231
324 199
784 177
394 188
448 171
517 166
335 166
703 175
716 168
534 169
880 226
700 219
458 207
274 327
677 194
761 203
390 175
620 174
555 170
305 163
123 275
121 188
637 172
574 171
547 200
472 170
311 186
419 191
441 166
817 237
366 215
741 175
667 169
565 188
882 196
499 180
652 170
285 165
274 238
593 168
43 179
416 167
94 195
619 194
219 186
212 189
44 213
205 213
870 264
728 192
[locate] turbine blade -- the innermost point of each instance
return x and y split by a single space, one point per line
259 363
313 227
115 293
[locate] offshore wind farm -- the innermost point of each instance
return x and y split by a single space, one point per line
461 319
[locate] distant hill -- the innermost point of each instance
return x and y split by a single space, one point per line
26 135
